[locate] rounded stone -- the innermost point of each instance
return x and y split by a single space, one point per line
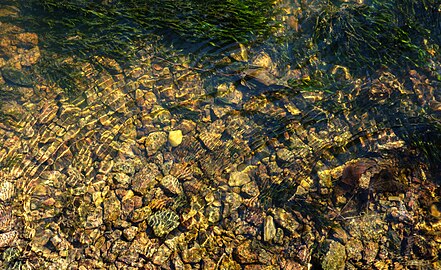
175 137
269 229
154 141
238 179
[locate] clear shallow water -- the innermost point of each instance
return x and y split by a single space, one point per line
200 156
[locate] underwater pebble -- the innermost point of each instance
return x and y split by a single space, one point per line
7 238
285 220
16 76
163 222
5 218
269 229
175 137
154 141
6 190
238 179
172 184
335 256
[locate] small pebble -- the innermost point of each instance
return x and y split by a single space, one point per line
175 137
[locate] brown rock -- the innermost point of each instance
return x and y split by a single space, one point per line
145 179
141 214
288 264
26 40
370 252
285 220
112 207
354 248
238 179
161 255
186 126
245 253
154 141
130 233
230 264
193 255
30 57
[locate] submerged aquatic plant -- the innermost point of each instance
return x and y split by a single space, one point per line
367 36
114 29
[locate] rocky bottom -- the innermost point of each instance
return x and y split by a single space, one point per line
146 169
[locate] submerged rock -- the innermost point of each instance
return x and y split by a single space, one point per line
154 141
7 238
163 222
172 184
238 179
16 76
175 137
335 256
7 191
269 229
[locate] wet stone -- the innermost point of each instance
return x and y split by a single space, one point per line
251 189
145 179
193 255
435 210
127 207
112 208
213 214
126 167
122 179
162 255
141 214
340 234
27 40
219 111
246 254
130 258
30 57
160 116
175 137
10 255
118 248
238 179
334 256
234 200
154 141
7 238
17 77
285 155
285 220
130 233
354 248
186 126
5 217
229 263
269 229
211 140
172 184
7 190
163 222
370 251
279 236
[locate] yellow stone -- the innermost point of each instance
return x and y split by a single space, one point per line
175 137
